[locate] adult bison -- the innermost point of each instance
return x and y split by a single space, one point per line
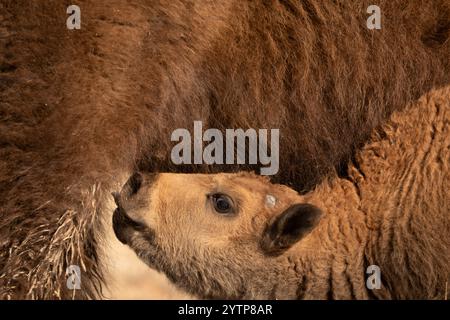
80 110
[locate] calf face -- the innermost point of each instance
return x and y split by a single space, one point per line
210 233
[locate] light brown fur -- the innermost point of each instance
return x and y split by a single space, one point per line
392 211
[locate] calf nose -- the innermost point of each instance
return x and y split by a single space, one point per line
133 184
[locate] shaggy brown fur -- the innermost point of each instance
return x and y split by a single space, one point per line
393 212
81 110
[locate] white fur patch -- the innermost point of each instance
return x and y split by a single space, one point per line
271 201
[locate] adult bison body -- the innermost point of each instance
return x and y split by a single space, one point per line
80 110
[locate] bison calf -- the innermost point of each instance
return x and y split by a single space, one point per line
239 236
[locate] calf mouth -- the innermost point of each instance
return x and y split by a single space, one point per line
124 227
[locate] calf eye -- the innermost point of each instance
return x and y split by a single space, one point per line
222 203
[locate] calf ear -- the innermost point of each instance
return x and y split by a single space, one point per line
289 227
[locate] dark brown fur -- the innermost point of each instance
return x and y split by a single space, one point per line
80 110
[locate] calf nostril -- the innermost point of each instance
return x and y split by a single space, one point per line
135 183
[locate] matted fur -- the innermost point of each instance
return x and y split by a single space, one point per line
80 110
392 211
